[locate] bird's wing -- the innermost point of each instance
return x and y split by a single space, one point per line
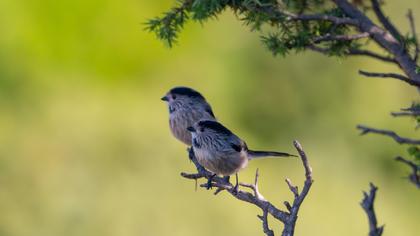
237 144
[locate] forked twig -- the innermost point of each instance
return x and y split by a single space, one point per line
367 205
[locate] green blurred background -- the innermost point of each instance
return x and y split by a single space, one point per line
85 144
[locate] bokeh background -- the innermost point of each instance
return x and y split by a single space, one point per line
85 147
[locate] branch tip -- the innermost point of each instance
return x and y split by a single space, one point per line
384 20
414 176
390 75
389 133
288 206
413 32
367 205
264 219
292 188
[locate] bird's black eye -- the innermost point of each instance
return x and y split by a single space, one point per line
201 129
174 97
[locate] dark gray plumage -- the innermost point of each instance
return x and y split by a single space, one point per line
186 107
221 151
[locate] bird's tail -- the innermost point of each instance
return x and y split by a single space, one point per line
261 154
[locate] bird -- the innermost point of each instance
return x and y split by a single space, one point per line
186 107
223 153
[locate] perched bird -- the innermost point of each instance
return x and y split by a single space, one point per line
222 152
186 107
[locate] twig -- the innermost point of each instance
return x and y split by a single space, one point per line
255 197
287 205
413 108
359 52
254 186
317 17
390 75
276 13
355 52
318 49
413 32
293 189
392 134
406 113
415 174
367 205
330 37
289 227
264 219
384 20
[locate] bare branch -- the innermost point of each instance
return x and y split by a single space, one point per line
218 190
358 52
384 20
367 205
388 39
414 177
254 186
287 205
308 169
278 13
255 198
382 38
392 134
192 176
406 113
355 52
413 108
292 188
318 49
264 220
413 32
317 17
289 227
390 75
256 191
330 37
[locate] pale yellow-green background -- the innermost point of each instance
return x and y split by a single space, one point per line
85 147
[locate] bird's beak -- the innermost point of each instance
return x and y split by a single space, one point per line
164 98
191 129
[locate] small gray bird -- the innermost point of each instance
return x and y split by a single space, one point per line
221 151
186 107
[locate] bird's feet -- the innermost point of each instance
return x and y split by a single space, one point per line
209 185
235 189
